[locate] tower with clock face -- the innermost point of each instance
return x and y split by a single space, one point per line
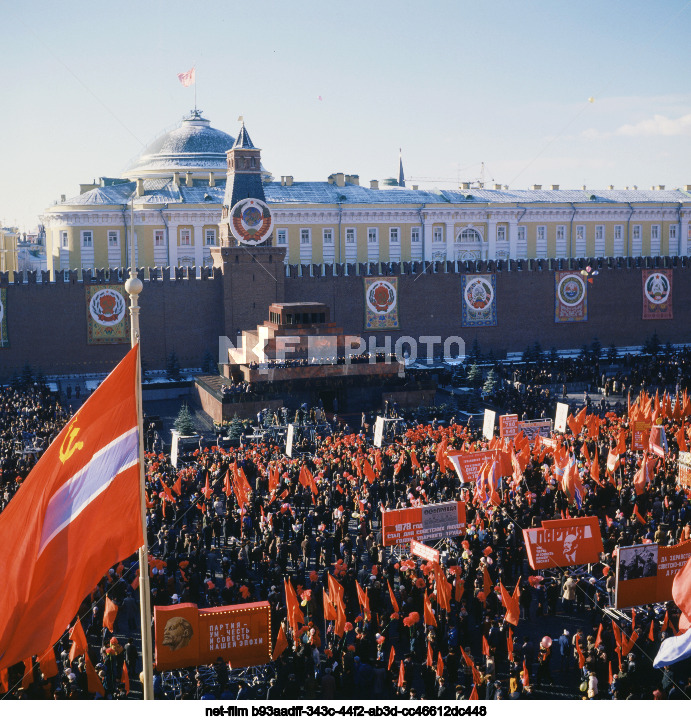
245 217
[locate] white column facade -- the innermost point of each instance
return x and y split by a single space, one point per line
198 247
513 237
173 246
684 235
450 231
427 239
491 244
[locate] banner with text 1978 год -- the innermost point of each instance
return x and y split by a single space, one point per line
657 294
381 303
479 300
4 339
422 523
570 297
564 542
107 318
189 636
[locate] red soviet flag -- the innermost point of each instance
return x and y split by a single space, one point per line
76 515
110 614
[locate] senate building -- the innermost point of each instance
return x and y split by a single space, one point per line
173 196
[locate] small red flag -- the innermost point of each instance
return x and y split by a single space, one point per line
125 678
430 655
93 680
392 658
109 614
401 676
281 644
440 665
485 646
651 633
79 645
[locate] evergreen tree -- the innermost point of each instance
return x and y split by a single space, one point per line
553 355
27 376
596 348
184 423
474 378
612 353
491 383
173 367
209 363
475 351
236 428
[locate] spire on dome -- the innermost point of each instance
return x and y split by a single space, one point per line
243 139
401 176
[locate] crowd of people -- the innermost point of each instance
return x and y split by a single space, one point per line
211 548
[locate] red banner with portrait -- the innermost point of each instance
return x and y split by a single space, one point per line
189 636
645 573
565 542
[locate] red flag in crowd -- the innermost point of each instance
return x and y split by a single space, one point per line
440 665
430 655
109 615
511 603
392 658
430 620
125 678
93 680
394 602
401 676
281 644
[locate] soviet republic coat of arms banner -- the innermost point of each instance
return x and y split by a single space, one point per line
107 317
657 294
479 301
381 303
570 297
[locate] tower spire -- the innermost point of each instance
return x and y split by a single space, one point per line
401 176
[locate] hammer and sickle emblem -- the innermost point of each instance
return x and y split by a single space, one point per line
69 446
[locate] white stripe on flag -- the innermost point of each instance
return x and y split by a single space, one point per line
673 649
88 483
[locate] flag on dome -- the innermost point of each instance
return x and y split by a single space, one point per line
77 513
187 78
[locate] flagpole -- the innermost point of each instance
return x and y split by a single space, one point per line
134 286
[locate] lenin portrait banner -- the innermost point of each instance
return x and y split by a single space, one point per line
437 520
479 301
4 340
645 573
189 636
107 316
657 294
381 303
564 542
570 297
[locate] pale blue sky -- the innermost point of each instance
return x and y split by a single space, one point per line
454 83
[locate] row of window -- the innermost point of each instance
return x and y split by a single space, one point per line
468 235
580 232
87 238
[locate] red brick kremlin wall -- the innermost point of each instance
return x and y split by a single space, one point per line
47 321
